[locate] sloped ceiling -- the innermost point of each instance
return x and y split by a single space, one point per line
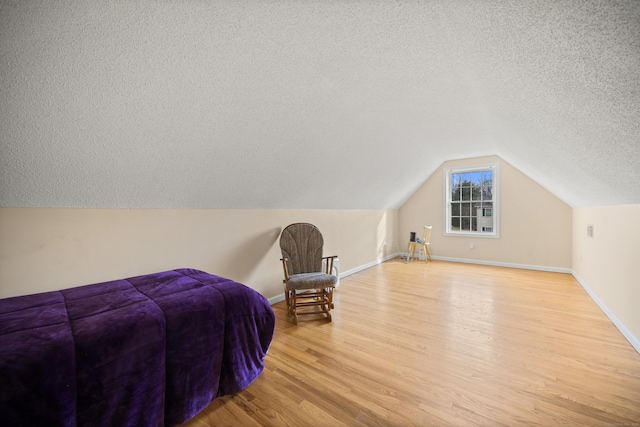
312 104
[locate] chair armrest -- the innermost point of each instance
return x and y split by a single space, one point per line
329 264
286 270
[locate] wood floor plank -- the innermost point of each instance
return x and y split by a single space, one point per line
444 344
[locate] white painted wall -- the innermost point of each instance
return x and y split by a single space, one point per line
50 249
607 263
535 226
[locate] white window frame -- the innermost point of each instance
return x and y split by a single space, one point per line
495 169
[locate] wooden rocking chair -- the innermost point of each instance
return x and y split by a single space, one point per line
308 282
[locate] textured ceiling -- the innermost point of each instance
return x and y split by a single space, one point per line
312 104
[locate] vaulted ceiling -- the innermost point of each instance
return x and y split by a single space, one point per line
312 104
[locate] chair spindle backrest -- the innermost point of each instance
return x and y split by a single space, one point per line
426 233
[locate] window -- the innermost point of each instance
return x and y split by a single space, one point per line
471 206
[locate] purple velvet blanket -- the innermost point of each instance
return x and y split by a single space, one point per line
152 350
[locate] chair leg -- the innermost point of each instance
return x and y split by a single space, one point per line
293 311
287 297
411 251
290 297
328 295
427 252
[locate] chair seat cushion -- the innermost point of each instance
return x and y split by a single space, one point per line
311 281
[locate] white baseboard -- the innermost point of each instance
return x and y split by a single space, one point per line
505 264
623 329
276 299
368 265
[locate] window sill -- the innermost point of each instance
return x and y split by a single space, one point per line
472 234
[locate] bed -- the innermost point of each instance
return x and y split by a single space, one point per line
150 350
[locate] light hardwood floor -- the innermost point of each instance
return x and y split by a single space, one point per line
444 344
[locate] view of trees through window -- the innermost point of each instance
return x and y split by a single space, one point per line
471 202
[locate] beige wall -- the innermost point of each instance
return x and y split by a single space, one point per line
49 249
535 226
607 263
